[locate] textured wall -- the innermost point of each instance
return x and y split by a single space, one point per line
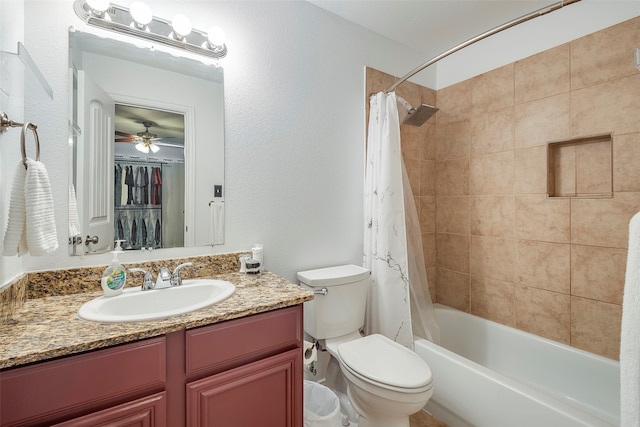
294 126
294 138
11 32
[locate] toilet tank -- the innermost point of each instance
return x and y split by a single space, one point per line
341 310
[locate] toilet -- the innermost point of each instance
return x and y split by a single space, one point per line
386 382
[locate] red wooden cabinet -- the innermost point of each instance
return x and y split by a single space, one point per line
239 373
261 393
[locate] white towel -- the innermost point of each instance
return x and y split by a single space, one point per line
216 230
15 237
630 333
74 221
41 224
31 227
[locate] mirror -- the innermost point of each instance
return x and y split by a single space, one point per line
146 148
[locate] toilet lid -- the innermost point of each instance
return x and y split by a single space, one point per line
384 361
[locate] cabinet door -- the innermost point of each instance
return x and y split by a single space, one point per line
263 393
148 411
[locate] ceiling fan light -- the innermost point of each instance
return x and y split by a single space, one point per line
142 147
154 148
141 13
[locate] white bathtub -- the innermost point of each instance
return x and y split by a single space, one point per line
488 374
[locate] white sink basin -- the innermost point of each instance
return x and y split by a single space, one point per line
135 305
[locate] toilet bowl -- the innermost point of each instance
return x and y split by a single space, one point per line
386 382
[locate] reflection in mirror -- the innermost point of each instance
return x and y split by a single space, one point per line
149 178
132 110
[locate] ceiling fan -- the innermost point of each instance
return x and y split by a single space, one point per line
145 139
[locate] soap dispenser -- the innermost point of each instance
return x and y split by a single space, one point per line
114 276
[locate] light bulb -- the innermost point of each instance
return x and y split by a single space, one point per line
141 13
98 6
141 146
181 26
216 37
154 148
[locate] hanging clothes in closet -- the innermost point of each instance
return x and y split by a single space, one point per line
138 204
130 184
156 186
117 184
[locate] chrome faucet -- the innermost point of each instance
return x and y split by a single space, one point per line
164 280
175 277
147 282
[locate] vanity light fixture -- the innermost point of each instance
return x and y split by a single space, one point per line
215 38
141 14
139 22
181 27
98 7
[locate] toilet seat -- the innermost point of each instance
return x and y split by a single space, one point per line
378 360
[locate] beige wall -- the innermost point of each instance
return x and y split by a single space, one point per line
495 244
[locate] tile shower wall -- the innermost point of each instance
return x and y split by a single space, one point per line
495 244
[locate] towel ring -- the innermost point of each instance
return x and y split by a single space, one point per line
23 148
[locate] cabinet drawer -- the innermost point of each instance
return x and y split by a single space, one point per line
235 342
54 389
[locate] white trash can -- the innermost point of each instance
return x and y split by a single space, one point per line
321 406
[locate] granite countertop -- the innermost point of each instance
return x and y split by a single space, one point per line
46 328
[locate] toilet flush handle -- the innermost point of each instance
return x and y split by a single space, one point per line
322 291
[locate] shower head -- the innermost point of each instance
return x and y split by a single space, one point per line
417 116
414 116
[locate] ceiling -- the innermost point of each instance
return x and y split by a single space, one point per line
430 26
168 126
426 26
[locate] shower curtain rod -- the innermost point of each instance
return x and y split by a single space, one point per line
479 37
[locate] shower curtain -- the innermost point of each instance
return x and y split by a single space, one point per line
392 238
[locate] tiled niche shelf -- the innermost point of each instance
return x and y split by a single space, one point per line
580 167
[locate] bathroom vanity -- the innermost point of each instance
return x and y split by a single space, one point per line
236 363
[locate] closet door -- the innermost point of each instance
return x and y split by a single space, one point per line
96 111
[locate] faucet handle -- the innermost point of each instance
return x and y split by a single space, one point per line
147 283
164 273
164 278
175 277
